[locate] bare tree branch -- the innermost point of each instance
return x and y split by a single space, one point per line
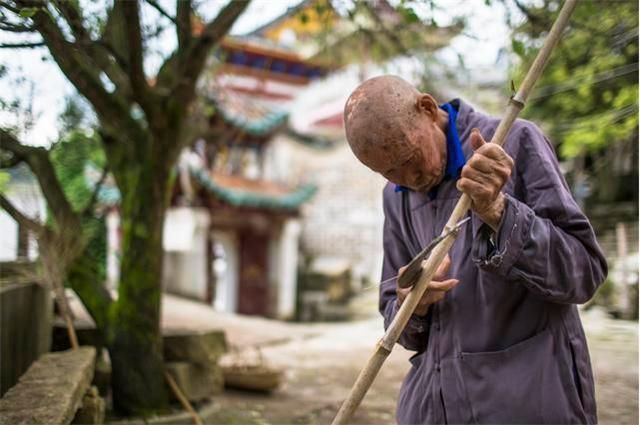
95 50
113 110
73 16
81 276
119 59
9 7
159 29
193 61
94 196
9 27
159 8
534 19
184 11
10 162
386 31
134 40
20 218
38 160
22 45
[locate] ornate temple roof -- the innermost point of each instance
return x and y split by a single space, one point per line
238 191
233 190
248 114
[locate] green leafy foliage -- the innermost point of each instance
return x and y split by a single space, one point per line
28 12
588 95
71 157
4 181
409 15
518 47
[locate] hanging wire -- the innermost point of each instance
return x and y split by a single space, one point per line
550 90
377 285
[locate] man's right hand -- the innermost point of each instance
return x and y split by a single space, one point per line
436 289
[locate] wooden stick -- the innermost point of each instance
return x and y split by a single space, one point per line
183 400
430 265
65 309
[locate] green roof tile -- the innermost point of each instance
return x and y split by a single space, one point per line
236 197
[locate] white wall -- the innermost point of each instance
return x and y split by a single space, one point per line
185 244
344 219
226 272
29 201
288 268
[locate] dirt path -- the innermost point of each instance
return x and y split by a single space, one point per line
320 371
322 368
614 353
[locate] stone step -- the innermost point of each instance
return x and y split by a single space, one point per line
202 348
51 390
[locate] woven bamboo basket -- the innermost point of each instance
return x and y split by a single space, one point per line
245 371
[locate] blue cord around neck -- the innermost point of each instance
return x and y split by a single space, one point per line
455 155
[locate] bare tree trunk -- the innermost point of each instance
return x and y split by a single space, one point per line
135 342
23 242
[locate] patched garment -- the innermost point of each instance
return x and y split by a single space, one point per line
506 345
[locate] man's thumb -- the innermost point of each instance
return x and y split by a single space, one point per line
476 139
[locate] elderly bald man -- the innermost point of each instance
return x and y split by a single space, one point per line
498 335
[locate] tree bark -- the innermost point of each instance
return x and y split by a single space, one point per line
141 151
23 242
135 342
85 279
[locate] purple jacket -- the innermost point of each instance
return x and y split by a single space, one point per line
506 345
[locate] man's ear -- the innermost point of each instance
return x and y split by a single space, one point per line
427 104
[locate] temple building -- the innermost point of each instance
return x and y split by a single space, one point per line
243 217
241 207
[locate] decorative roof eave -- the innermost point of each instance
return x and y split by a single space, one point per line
314 141
238 198
263 126
265 48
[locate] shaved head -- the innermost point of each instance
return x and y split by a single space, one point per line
377 113
397 131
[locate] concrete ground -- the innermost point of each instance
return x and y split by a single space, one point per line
321 362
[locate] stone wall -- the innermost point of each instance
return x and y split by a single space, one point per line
344 219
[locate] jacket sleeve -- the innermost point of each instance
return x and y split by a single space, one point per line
544 241
397 255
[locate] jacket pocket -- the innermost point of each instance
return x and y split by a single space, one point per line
527 383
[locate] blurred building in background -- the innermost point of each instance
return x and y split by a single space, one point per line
256 172
271 213
23 191
252 212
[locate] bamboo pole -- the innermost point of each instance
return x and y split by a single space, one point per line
430 265
182 398
63 303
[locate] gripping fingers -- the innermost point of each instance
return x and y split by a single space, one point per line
443 268
437 291
443 286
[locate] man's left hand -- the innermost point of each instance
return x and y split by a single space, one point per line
483 178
